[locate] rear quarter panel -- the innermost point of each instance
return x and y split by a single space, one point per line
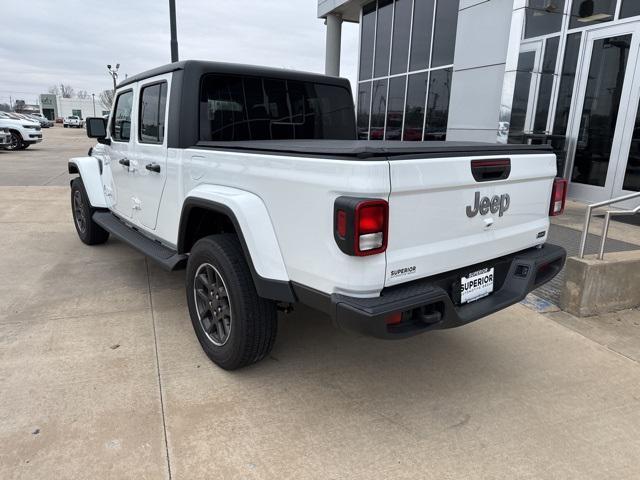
299 193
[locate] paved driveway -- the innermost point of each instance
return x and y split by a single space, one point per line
101 376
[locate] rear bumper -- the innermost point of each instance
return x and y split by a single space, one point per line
428 304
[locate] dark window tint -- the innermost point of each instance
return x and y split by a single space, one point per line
364 105
444 36
401 23
383 38
153 101
543 17
630 8
395 112
590 12
521 92
600 111
367 37
121 124
632 173
421 34
567 80
546 85
414 113
378 110
438 104
235 108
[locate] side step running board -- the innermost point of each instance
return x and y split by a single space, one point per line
167 258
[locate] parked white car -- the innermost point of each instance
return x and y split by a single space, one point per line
253 179
73 121
24 133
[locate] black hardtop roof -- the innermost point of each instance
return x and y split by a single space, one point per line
375 148
202 67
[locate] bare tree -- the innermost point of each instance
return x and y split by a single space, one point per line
54 90
66 91
106 99
5 107
82 94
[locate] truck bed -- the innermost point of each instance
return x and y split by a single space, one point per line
375 149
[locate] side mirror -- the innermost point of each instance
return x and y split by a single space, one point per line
97 128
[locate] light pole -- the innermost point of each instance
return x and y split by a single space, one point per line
174 35
114 74
94 104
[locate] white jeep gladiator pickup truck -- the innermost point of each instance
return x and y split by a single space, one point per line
252 179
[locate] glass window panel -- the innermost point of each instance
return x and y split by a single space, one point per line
414 112
522 89
153 101
444 36
121 126
383 38
378 110
630 8
632 174
421 34
543 17
600 110
401 23
546 85
395 112
236 108
364 106
567 80
590 12
438 104
367 37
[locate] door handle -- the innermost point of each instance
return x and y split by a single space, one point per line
153 167
124 162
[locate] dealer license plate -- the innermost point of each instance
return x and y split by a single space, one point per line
476 285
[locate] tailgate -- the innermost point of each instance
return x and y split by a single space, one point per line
438 221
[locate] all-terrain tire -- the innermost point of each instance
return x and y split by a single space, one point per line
249 322
89 231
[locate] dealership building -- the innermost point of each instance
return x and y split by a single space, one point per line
55 106
561 72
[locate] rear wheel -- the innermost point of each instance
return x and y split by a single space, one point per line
89 232
234 326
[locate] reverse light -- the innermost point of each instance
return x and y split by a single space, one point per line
558 197
361 225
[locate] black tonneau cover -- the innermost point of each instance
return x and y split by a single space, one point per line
369 149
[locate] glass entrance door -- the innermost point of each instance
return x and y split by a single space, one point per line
600 120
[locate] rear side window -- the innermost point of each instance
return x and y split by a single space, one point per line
153 103
121 125
234 108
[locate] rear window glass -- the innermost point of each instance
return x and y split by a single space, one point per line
234 108
153 101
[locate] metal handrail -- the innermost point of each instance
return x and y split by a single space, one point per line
605 232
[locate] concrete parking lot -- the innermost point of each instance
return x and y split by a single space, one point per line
101 375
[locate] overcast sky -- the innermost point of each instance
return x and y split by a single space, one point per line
46 42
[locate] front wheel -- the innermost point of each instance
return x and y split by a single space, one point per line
89 231
234 326
16 141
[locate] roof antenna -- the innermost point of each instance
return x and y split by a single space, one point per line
174 35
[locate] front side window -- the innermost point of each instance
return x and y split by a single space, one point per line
121 125
234 108
153 103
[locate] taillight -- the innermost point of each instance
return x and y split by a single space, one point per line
361 225
558 197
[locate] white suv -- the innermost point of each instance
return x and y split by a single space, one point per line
73 121
23 132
